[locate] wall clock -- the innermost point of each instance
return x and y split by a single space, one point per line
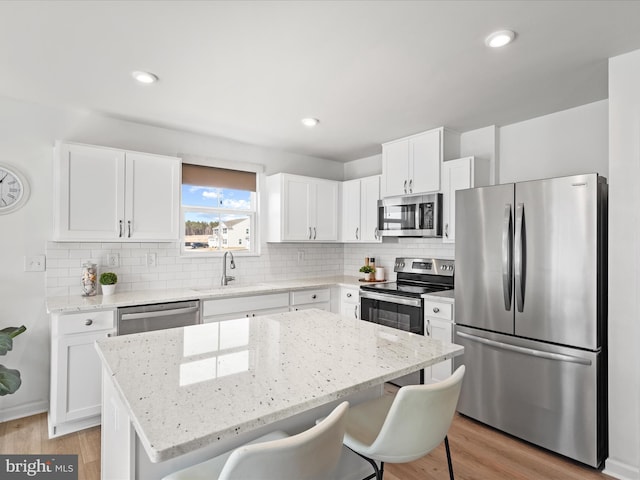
14 189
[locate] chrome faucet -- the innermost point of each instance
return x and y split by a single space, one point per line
226 279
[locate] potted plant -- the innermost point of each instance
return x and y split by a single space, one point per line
108 281
10 380
368 272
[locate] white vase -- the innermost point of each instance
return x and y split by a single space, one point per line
367 277
108 289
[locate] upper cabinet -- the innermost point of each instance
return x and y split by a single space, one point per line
360 210
302 209
105 194
467 172
412 164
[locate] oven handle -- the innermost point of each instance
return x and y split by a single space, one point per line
412 302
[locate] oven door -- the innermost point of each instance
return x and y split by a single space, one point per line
392 311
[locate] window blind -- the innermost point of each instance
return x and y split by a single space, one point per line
202 176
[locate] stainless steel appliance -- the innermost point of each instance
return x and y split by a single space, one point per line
410 216
159 316
530 301
400 304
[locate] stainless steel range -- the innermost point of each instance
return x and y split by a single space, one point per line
400 304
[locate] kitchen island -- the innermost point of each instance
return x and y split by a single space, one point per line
175 397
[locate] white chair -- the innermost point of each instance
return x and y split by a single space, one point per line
312 454
404 428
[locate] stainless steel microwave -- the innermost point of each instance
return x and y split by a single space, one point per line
410 216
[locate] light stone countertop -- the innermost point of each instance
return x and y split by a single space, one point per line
447 296
187 387
78 303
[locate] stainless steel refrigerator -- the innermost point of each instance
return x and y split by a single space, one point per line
530 310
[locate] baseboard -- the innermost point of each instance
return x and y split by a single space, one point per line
621 470
25 410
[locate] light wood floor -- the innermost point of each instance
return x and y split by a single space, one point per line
478 452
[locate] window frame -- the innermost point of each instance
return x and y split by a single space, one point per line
253 214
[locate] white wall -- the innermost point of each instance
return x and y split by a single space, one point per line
482 143
27 135
564 143
363 167
624 266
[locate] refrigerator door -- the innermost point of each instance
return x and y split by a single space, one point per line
556 260
484 252
545 394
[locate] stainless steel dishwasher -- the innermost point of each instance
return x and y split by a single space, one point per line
146 318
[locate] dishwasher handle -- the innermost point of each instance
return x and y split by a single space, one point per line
158 313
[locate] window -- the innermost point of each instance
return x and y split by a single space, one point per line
218 200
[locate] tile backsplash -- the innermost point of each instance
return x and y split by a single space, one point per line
277 261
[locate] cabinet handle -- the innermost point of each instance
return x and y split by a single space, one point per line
355 311
375 232
446 230
88 322
129 227
309 233
357 228
314 296
436 309
428 331
348 295
314 233
120 228
247 315
410 186
253 314
405 186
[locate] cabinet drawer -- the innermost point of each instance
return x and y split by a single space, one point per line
350 295
86 322
301 297
244 304
438 310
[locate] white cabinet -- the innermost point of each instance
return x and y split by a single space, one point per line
115 195
311 298
302 209
350 302
438 324
360 210
75 394
248 306
412 164
467 172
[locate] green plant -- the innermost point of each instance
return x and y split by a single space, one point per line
108 278
367 269
10 380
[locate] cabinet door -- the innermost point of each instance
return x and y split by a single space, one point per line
296 198
351 209
369 196
456 175
89 192
443 331
152 197
395 168
78 372
325 211
424 162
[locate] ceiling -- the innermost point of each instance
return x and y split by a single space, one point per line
371 71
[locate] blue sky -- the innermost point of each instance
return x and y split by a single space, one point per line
213 197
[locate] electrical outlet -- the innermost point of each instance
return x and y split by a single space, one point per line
152 259
113 260
300 256
37 263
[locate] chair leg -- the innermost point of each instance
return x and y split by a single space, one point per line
378 471
446 446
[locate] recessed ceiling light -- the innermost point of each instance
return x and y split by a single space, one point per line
500 38
310 122
145 77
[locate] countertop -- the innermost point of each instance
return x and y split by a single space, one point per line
78 303
187 387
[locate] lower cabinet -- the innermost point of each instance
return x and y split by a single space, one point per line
350 302
438 324
76 371
312 298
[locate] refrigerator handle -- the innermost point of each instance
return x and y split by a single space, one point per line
519 262
507 254
561 357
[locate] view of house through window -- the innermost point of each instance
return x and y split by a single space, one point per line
219 209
